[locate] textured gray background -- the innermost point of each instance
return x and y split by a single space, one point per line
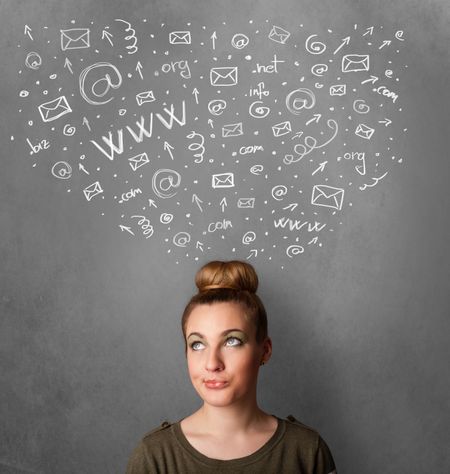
91 354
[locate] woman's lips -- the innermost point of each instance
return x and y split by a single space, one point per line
215 384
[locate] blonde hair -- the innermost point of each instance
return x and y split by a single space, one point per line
233 281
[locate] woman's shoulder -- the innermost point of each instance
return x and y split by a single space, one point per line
160 431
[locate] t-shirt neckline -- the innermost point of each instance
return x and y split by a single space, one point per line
211 462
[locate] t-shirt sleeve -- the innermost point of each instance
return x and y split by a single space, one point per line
324 459
139 463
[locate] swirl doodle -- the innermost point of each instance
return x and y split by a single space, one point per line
69 130
33 61
279 191
295 105
146 227
197 146
132 48
258 111
166 218
360 106
62 170
181 239
314 47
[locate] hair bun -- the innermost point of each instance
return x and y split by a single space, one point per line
234 274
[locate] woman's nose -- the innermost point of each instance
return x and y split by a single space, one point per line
214 361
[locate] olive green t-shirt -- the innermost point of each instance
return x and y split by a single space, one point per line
294 448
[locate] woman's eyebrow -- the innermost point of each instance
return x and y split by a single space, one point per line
222 333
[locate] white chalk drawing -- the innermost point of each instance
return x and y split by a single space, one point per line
180 37
232 130
279 191
338 89
300 99
132 48
281 129
360 106
145 97
139 160
104 84
75 38
239 41
33 61
279 35
62 170
181 239
54 109
327 196
248 238
223 76
246 203
217 106
364 131
223 180
226 86
256 110
92 190
314 47
197 146
355 62
165 183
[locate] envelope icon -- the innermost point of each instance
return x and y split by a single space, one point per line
338 89
327 196
282 128
54 109
93 190
223 76
355 62
223 180
138 161
180 37
279 35
364 131
75 38
246 203
144 97
232 130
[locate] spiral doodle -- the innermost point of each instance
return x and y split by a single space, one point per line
248 238
181 239
33 61
217 106
132 48
69 130
279 191
24 93
294 250
258 111
314 47
360 106
239 41
319 70
146 227
166 218
62 170
307 100
197 146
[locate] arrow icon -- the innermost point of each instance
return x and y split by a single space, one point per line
139 69
27 31
316 119
82 168
86 122
197 201
369 31
68 65
320 168
168 147
385 43
372 79
128 229
195 92
108 36
253 253
199 245
210 122
313 241
291 207
345 42
386 122
152 203
214 37
223 203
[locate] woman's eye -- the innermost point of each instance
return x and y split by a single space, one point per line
194 345
235 341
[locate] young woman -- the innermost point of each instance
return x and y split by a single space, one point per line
225 332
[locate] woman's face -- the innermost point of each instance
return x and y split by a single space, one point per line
222 347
